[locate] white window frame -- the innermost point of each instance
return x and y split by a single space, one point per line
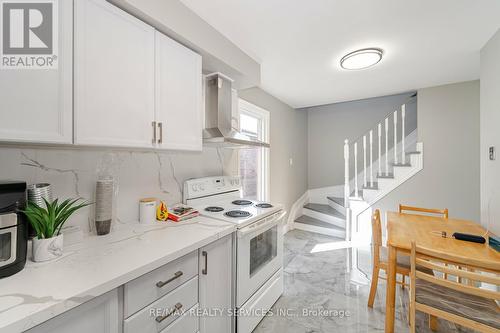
245 107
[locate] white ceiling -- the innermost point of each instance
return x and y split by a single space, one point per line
299 43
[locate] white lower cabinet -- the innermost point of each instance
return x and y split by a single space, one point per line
158 315
102 314
192 294
187 323
216 286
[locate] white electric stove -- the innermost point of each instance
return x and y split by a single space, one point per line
259 243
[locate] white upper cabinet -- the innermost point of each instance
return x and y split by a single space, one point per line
114 77
36 104
179 105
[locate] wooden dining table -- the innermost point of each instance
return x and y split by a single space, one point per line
426 231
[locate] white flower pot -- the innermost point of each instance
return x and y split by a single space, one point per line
47 249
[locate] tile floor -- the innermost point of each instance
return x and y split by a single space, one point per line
323 295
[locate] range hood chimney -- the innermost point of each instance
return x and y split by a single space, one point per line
219 131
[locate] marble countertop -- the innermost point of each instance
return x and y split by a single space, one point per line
97 265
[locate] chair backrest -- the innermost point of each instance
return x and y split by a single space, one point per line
442 212
376 229
376 237
437 262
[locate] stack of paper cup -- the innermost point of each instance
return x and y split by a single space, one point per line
38 192
104 205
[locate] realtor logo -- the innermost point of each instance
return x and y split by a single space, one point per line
29 34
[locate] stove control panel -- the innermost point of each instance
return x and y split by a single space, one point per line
201 187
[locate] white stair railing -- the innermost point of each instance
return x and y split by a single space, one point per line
356 187
395 137
367 139
403 116
347 190
371 158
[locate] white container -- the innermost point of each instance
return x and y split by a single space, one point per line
47 249
147 210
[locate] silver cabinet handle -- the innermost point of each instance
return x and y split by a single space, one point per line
159 319
154 131
161 284
204 271
160 127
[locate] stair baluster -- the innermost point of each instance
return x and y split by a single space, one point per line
395 137
364 161
387 146
371 159
347 189
403 114
356 187
379 149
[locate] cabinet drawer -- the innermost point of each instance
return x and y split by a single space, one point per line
151 286
187 323
148 319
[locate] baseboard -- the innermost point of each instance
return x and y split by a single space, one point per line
295 211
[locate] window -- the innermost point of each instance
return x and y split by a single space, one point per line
254 162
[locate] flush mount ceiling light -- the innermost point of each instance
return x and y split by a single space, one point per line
361 59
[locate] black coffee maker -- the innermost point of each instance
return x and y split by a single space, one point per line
13 227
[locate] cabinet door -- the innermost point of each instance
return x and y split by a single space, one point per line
36 105
99 315
179 109
216 285
114 77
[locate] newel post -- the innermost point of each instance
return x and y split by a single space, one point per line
346 173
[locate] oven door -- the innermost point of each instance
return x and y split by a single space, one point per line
8 239
259 255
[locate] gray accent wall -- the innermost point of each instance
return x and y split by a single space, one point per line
490 133
329 125
288 142
448 126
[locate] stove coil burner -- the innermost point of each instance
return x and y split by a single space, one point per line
264 205
214 209
237 214
242 202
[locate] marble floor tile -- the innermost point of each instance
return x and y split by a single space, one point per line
323 294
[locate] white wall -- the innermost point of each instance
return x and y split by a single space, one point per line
490 133
329 125
288 141
448 126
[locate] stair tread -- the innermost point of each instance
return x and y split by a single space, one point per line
413 152
401 164
304 219
337 200
325 209
383 175
370 187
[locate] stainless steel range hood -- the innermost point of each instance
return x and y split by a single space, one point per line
219 131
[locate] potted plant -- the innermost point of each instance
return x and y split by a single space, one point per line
47 222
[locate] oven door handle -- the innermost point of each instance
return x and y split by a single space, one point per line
269 222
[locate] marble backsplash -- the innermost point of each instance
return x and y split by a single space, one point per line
73 172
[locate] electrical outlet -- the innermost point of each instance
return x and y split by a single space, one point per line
492 153
291 161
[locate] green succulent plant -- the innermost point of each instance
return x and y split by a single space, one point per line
48 221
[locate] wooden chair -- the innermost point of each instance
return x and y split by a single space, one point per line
465 305
380 258
443 212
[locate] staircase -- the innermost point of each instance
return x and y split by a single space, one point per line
387 159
